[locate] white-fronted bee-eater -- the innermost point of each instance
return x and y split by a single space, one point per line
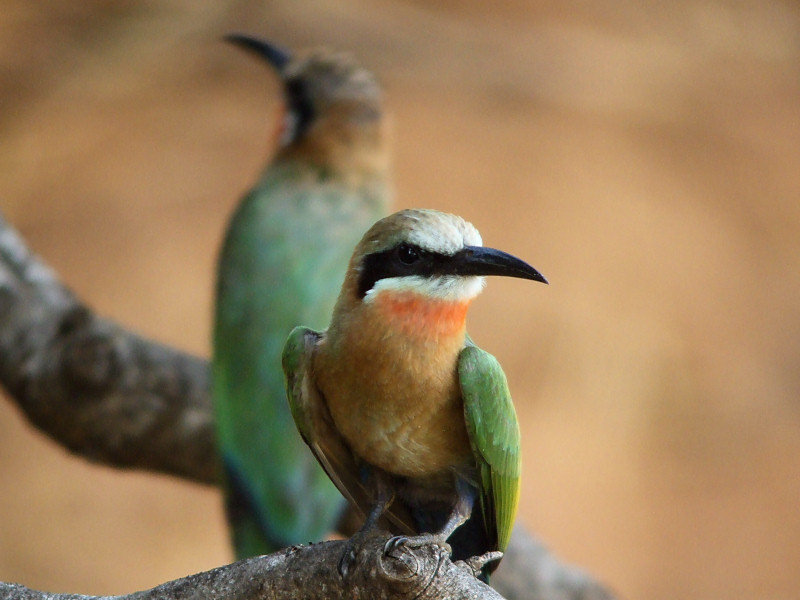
412 421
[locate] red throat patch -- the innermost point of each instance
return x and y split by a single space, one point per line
420 316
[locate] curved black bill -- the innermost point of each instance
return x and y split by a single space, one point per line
274 55
477 260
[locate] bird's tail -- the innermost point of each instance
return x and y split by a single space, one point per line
251 534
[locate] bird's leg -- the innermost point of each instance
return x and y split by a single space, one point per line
384 495
461 512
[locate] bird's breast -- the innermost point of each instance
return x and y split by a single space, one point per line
390 380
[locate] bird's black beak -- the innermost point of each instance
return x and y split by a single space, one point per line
274 55
477 260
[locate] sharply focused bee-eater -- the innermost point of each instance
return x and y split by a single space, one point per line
282 262
411 420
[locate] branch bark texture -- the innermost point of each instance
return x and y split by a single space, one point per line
116 398
309 573
102 392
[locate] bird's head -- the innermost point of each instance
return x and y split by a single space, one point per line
423 261
331 102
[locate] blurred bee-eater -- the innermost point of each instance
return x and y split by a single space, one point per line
283 258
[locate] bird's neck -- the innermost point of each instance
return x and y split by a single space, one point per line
416 316
356 152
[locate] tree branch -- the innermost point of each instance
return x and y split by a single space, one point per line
122 400
310 573
102 392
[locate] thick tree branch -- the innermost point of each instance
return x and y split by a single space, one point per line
122 400
309 573
101 391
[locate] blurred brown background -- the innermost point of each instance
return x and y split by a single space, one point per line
645 156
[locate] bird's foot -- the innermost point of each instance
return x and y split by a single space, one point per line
348 559
398 541
476 563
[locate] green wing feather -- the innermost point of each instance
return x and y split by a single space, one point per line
494 436
282 264
297 354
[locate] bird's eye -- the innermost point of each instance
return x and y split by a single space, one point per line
408 255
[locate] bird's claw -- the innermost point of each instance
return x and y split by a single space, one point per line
347 561
476 563
415 542
393 544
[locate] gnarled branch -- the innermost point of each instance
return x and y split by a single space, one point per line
310 573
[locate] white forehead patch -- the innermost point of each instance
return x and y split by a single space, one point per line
442 232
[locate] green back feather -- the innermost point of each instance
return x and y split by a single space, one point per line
282 264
